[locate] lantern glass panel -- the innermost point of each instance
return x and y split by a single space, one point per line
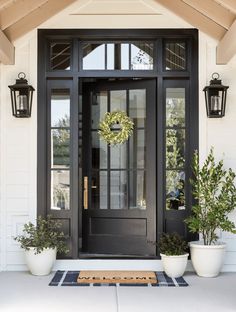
22 101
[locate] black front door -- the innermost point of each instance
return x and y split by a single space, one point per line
119 198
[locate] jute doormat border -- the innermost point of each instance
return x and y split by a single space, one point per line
69 278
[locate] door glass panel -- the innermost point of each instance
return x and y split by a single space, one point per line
118 190
142 56
60 189
175 107
60 108
99 189
60 148
137 149
93 56
60 55
118 156
99 108
137 107
137 190
99 152
175 56
175 190
118 100
119 171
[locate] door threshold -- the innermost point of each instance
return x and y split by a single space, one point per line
84 255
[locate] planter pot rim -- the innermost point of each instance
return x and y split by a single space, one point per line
48 248
175 256
200 244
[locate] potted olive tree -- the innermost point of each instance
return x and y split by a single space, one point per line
215 195
174 256
41 243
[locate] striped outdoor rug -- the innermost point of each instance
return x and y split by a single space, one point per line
69 278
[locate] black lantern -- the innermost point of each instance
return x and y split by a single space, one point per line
21 97
215 95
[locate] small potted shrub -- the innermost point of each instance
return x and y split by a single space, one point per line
215 194
41 243
174 256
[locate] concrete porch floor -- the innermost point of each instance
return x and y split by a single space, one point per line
22 292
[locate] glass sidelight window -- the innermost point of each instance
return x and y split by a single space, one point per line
60 149
175 148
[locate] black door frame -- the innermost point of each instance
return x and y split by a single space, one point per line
148 214
190 36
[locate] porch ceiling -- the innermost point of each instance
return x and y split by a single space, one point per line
216 18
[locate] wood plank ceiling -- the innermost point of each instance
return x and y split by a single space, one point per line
216 18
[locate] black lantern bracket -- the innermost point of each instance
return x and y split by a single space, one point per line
215 97
21 97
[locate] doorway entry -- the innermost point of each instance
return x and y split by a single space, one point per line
119 181
116 201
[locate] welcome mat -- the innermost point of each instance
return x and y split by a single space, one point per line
69 278
123 277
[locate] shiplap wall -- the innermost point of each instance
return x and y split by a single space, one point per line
18 137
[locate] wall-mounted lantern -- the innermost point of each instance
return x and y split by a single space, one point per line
21 97
215 95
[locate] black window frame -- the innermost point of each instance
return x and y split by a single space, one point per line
45 75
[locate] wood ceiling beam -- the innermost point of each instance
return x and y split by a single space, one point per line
227 46
19 9
5 3
228 4
7 50
194 18
213 11
35 18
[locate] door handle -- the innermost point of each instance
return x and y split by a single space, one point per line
85 192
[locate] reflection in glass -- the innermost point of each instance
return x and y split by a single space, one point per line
99 108
175 107
118 100
175 148
118 189
137 190
142 56
118 156
137 107
118 56
99 189
99 152
60 147
60 108
175 53
60 189
175 192
93 56
137 151
60 54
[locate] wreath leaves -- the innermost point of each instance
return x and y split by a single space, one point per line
113 137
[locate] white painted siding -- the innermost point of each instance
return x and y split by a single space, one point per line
18 138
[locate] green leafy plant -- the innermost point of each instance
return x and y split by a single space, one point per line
45 234
215 195
172 245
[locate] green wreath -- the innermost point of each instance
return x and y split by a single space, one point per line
114 137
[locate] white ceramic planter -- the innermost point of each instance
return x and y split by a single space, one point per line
174 266
207 259
42 263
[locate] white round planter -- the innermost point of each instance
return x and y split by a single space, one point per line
207 259
174 266
42 263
